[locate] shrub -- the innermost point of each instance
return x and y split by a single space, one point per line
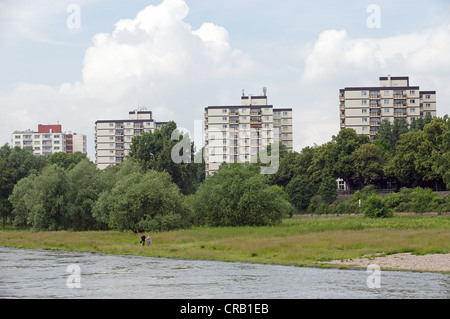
238 195
373 206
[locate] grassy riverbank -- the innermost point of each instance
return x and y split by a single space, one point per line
300 242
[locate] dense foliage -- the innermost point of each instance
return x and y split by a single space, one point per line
151 192
238 195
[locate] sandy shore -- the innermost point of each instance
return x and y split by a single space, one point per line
402 261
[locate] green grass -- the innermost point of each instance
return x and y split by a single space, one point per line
299 242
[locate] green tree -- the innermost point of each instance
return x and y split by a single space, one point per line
441 158
65 160
85 188
6 186
374 206
347 142
430 150
22 203
328 190
154 151
45 203
401 167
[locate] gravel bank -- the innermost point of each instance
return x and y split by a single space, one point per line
402 261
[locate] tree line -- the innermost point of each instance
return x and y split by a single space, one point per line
150 192
401 156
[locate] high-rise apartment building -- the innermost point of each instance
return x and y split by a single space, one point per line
364 108
113 137
237 133
49 139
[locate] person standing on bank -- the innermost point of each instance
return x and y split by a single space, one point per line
142 239
149 240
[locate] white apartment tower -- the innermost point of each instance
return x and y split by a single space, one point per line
113 137
364 108
49 139
237 133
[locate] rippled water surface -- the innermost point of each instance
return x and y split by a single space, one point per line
49 274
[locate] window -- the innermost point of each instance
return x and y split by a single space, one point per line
387 110
18 136
224 118
364 102
364 128
224 126
386 101
428 96
285 113
412 101
387 93
364 93
427 105
111 124
413 110
364 119
412 92
224 111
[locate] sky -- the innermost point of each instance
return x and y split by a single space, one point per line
74 62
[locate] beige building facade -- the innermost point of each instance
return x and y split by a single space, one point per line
364 108
237 133
113 137
49 139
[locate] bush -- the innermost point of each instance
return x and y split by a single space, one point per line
238 195
170 221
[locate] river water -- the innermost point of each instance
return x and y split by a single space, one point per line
36 273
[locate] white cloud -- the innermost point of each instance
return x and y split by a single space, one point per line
159 60
156 59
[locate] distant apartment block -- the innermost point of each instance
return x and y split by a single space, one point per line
113 137
236 133
364 108
49 139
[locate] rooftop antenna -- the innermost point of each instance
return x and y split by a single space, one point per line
243 94
265 91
